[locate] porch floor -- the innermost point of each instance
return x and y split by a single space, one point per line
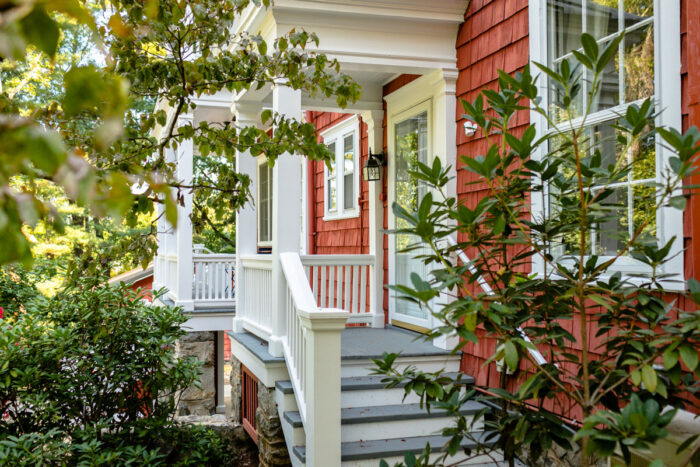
357 343
365 343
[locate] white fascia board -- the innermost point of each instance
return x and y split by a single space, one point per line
203 321
446 11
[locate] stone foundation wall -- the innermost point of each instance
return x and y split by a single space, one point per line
271 446
236 390
194 401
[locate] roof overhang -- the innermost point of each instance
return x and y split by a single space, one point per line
374 40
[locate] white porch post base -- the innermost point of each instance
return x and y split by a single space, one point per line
275 346
378 321
237 324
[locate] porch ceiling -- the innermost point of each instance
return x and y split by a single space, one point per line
374 40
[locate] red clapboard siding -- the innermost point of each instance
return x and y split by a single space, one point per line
495 35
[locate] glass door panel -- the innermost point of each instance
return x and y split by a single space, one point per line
411 142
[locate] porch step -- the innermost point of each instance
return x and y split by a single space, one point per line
389 421
392 450
386 413
365 383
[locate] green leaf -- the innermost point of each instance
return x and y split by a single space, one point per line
40 30
589 46
511 356
689 356
678 202
670 358
649 377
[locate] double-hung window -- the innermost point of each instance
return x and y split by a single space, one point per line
647 65
341 176
264 203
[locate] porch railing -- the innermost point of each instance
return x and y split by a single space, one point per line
170 270
214 279
255 303
344 282
311 347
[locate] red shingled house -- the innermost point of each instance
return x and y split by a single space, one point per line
312 255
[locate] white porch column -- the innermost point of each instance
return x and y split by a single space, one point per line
183 233
286 213
375 138
446 149
246 217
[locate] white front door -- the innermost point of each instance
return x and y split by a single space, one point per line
409 143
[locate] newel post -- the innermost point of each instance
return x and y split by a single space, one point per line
323 334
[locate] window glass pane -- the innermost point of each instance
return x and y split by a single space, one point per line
349 191
601 17
349 153
637 10
639 64
631 196
332 194
331 170
411 143
564 27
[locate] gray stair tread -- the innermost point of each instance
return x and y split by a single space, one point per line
359 383
377 449
257 346
285 386
365 343
385 413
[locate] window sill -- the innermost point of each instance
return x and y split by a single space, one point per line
339 217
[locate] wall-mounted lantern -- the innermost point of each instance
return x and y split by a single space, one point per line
372 170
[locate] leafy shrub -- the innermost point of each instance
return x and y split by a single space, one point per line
91 377
634 350
17 290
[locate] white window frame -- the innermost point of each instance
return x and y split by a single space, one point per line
262 163
667 91
337 134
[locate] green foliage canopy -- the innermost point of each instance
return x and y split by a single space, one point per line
102 135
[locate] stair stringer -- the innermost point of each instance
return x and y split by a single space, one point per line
286 403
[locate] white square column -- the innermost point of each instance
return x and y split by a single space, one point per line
286 213
446 149
246 217
183 232
375 140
